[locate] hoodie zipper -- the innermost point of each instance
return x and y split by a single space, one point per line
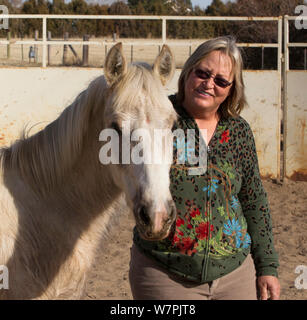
208 214
208 205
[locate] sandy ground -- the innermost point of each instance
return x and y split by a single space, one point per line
108 278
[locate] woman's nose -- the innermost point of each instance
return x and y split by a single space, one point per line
209 83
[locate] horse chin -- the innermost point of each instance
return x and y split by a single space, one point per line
149 236
153 237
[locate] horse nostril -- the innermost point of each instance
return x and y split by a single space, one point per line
144 216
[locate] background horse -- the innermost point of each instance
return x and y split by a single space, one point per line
57 199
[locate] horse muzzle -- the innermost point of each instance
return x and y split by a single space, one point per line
153 224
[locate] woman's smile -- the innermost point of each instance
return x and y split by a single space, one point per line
204 93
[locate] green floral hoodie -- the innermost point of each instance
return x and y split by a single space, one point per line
222 214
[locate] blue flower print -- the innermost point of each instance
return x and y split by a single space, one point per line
238 242
246 241
232 228
234 202
183 149
212 187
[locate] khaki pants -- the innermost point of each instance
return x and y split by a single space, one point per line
148 281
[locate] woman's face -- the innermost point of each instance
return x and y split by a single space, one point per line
204 94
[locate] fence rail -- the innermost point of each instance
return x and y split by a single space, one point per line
44 42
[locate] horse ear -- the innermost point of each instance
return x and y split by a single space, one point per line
115 65
164 65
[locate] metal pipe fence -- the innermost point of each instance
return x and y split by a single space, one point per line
45 42
287 92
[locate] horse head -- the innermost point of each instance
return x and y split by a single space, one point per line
141 117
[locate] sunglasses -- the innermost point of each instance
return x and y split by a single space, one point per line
205 75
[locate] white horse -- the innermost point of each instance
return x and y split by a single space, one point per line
57 199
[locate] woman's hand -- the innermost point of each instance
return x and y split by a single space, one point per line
268 288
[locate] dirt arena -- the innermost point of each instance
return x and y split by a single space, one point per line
108 278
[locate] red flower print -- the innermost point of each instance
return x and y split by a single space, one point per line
189 226
187 243
203 230
187 246
195 213
191 251
175 240
225 136
179 222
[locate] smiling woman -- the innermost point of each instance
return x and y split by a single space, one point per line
222 240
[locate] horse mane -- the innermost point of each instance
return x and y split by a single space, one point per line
42 160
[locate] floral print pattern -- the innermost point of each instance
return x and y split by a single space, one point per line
223 214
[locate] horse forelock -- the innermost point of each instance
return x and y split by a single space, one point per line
42 160
139 93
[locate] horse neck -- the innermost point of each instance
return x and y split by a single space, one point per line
64 156
90 185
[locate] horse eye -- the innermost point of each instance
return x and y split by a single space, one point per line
115 126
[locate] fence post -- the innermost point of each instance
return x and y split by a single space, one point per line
163 30
286 41
131 53
8 47
85 51
66 36
279 53
35 46
285 100
49 48
44 63
22 53
280 166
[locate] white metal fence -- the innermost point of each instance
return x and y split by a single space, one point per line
44 42
272 94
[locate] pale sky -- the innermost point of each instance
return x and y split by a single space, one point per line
203 4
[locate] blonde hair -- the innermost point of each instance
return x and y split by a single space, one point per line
236 101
